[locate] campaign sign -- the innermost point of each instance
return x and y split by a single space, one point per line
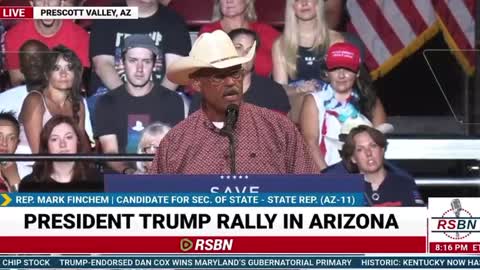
350 183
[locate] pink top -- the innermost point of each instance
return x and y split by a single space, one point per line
46 116
266 34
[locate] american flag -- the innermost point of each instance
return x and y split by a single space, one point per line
393 29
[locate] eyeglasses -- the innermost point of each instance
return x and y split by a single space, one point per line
220 78
151 149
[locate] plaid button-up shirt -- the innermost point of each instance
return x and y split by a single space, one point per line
266 143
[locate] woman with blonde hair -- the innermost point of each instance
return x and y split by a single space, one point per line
149 141
298 54
233 14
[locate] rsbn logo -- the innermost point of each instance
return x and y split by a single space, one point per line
456 223
206 244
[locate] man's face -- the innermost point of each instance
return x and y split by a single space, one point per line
8 137
220 87
367 155
31 63
139 65
243 44
46 3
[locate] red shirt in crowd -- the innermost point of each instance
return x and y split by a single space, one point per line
266 34
266 143
70 35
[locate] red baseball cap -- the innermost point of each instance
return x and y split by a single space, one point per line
343 55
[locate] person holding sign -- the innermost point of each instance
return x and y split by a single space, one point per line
227 135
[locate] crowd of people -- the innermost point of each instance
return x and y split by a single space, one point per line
274 103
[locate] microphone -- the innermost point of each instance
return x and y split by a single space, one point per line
456 207
231 117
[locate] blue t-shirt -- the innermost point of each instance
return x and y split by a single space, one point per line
395 190
398 188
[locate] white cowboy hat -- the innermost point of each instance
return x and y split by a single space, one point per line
354 122
210 50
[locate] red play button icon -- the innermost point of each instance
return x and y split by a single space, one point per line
186 244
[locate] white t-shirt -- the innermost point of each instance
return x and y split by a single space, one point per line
12 99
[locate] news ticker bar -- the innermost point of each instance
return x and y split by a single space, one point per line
28 12
240 262
181 199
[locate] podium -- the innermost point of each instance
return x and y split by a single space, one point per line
349 183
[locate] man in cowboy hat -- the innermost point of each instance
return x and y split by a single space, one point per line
258 90
263 141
